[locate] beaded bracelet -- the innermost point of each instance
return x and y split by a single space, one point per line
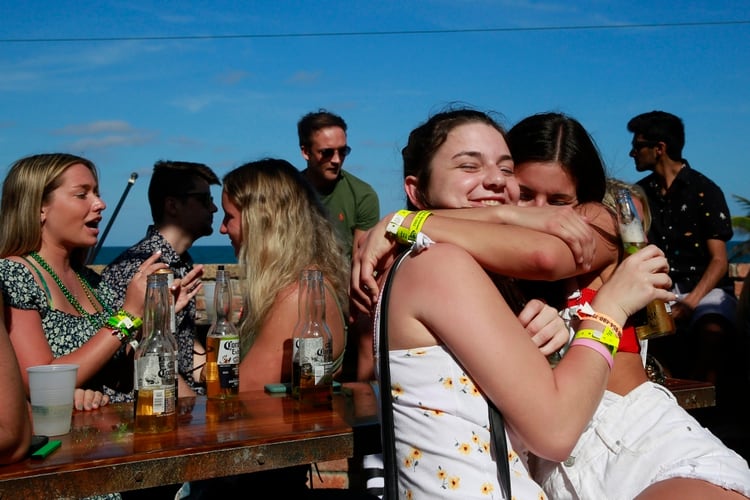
585 311
596 346
607 338
124 324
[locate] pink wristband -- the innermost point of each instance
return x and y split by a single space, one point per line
598 347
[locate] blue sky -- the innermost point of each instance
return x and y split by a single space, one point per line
224 82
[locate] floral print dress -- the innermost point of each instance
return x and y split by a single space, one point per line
443 439
66 332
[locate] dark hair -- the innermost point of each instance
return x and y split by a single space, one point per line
312 122
555 137
175 178
426 139
660 126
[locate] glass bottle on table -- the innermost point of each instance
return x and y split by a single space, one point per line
655 320
155 382
172 321
312 344
222 343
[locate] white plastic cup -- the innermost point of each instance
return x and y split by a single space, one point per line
52 388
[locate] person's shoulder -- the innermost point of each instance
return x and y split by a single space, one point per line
12 264
441 254
645 182
699 176
354 180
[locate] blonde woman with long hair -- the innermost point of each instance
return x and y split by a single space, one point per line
56 308
278 228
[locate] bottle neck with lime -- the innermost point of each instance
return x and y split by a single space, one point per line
655 320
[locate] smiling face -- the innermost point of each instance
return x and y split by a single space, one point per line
545 183
472 168
73 210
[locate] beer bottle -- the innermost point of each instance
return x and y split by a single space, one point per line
312 344
655 320
172 320
155 361
222 343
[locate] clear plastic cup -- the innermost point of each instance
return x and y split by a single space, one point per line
52 388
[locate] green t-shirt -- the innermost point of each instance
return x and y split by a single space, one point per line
353 204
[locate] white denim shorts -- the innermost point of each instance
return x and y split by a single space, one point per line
636 440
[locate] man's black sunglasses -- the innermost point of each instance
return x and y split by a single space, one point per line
327 153
203 198
638 145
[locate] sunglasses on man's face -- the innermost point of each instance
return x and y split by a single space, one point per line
202 197
638 145
327 153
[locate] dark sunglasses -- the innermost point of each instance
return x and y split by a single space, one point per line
327 153
203 198
638 145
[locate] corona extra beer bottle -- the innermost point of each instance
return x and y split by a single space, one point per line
222 343
155 361
655 320
312 347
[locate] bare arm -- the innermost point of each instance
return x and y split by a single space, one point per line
15 423
554 243
31 346
443 296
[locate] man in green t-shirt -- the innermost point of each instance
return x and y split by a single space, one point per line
353 208
352 203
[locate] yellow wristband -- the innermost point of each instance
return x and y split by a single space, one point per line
409 236
608 338
394 226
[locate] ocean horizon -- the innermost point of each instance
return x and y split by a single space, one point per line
206 254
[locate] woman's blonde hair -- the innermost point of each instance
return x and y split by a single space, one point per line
284 230
26 188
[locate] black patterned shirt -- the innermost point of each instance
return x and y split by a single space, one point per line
691 212
120 272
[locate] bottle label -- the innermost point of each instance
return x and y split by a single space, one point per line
312 359
229 363
229 351
153 371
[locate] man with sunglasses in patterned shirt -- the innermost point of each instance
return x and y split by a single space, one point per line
182 209
691 223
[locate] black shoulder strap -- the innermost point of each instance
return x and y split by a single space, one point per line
387 429
386 402
497 426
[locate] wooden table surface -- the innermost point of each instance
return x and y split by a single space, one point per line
256 432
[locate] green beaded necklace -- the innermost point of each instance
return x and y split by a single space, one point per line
90 294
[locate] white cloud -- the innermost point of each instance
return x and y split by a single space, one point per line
108 141
97 127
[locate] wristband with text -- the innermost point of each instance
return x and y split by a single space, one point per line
607 338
